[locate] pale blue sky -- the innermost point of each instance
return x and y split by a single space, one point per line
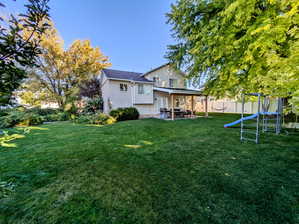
132 33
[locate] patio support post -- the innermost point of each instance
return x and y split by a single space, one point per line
192 106
172 107
206 106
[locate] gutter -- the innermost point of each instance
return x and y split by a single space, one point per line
132 81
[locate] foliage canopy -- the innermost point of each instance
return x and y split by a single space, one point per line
238 44
60 73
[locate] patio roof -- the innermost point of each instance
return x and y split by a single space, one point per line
179 91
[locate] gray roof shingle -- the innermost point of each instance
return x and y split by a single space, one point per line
132 76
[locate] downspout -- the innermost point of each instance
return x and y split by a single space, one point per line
133 93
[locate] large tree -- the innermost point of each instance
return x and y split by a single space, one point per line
60 73
235 45
17 52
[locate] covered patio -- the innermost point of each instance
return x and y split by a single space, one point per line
173 111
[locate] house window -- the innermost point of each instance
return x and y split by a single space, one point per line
156 80
140 89
172 83
163 102
123 87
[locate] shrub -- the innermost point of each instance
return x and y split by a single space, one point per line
60 116
31 119
84 119
71 110
290 117
103 119
35 116
5 112
93 105
99 119
11 119
43 112
123 114
16 117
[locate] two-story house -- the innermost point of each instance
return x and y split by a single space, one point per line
150 92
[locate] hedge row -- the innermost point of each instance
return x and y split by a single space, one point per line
26 117
20 116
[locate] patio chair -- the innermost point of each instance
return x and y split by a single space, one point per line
164 113
188 113
178 112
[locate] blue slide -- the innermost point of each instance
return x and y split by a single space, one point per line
239 121
248 118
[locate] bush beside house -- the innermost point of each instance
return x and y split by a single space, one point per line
124 114
93 105
98 119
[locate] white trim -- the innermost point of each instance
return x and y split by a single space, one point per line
133 93
146 104
177 91
103 83
128 80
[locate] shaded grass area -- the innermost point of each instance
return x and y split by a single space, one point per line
149 171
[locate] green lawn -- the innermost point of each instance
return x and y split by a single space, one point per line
149 171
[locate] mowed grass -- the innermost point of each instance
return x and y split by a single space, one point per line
149 171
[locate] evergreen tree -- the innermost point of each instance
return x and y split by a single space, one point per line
17 52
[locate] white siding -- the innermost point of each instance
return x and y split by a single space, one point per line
147 97
164 74
147 104
105 92
120 98
147 110
111 93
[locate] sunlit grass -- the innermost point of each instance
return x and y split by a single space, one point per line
94 125
146 142
148 171
33 128
17 133
133 146
8 138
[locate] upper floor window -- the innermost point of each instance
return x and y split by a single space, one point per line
156 80
140 89
123 87
173 83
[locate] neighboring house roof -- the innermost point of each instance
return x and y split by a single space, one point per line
181 91
124 75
